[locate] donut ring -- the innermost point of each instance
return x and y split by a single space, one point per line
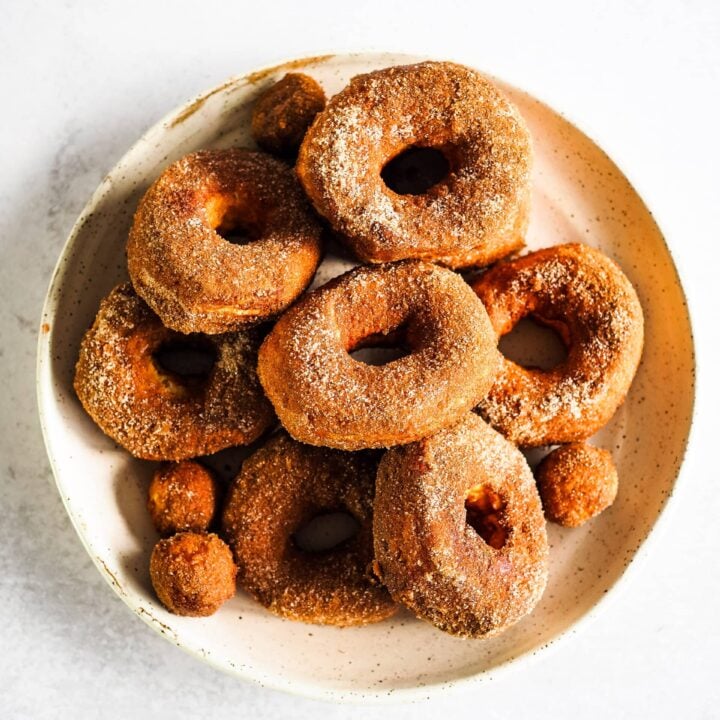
467 582
478 213
576 482
282 486
193 278
325 397
153 413
587 299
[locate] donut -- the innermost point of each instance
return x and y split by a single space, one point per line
585 297
282 486
576 483
459 532
323 396
192 573
157 414
195 279
182 496
478 209
284 112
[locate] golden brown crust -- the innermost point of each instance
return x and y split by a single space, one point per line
325 397
192 573
576 483
430 557
585 296
476 215
282 486
157 415
193 278
284 112
182 496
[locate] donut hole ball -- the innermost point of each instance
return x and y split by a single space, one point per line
285 111
533 344
182 496
185 360
415 170
326 531
484 509
193 573
576 482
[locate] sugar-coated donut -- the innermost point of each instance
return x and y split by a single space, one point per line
182 496
195 279
282 486
576 483
156 414
323 396
474 215
459 532
284 112
588 300
192 573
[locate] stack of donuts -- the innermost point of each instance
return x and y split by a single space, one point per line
421 172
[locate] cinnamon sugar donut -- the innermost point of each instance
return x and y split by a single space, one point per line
576 483
459 531
284 112
281 487
193 574
587 299
193 278
182 496
323 396
474 215
156 414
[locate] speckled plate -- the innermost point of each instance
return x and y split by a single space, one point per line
579 195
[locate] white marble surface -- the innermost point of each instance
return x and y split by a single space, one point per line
80 81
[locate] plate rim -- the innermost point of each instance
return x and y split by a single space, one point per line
316 690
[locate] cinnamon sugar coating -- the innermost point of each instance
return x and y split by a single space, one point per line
282 486
182 496
323 396
576 483
192 573
475 215
156 414
429 555
193 278
284 112
587 299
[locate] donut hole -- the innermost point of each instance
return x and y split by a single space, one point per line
381 348
484 510
233 222
534 345
326 531
189 360
415 170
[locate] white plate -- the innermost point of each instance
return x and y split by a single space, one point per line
579 195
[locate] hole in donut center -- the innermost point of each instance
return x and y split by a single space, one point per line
484 510
237 229
191 359
415 170
533 345
381 348
326 532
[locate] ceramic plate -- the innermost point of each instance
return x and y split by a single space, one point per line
579 195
